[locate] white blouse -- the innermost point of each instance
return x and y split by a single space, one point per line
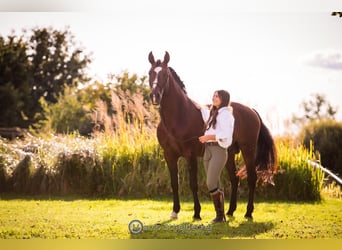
224 125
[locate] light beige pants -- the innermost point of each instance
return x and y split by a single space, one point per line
214 160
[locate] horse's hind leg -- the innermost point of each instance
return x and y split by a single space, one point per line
249 158
194 186
251 180
234 180
172 163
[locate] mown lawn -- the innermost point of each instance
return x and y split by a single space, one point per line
52 218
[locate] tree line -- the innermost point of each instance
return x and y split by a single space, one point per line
44 83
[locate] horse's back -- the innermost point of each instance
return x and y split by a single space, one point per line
247 123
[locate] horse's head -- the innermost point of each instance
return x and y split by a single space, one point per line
158 77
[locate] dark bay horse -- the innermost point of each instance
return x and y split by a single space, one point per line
181 124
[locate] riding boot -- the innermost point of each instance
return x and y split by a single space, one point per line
218 200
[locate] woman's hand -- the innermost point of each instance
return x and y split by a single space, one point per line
205 138
198 106
202 139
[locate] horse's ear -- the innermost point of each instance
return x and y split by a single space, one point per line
166 58
151 58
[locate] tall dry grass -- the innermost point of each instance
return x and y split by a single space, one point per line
130 161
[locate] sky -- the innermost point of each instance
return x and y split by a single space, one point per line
271 56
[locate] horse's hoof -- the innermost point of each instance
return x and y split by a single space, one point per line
174 215
249 217
230 214
197 218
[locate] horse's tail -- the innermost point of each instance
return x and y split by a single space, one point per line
266 155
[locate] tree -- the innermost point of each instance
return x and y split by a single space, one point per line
317 109
318 126
131 83
55 63
101 107
14 82
37 66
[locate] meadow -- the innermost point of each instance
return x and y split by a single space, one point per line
79 218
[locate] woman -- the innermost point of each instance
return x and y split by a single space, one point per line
218 136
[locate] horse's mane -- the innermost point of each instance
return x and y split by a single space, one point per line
178 80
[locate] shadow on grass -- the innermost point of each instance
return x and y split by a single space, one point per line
197 230
73 197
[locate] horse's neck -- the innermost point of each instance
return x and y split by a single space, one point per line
179 115
174 105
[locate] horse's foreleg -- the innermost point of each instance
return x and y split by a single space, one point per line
173 169
194 186
234 180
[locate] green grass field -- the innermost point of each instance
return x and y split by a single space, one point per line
77 218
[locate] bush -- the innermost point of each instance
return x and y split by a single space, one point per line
3 176
327 139
67 115
131 163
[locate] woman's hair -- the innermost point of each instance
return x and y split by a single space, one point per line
225 99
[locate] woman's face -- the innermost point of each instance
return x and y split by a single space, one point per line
216 100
